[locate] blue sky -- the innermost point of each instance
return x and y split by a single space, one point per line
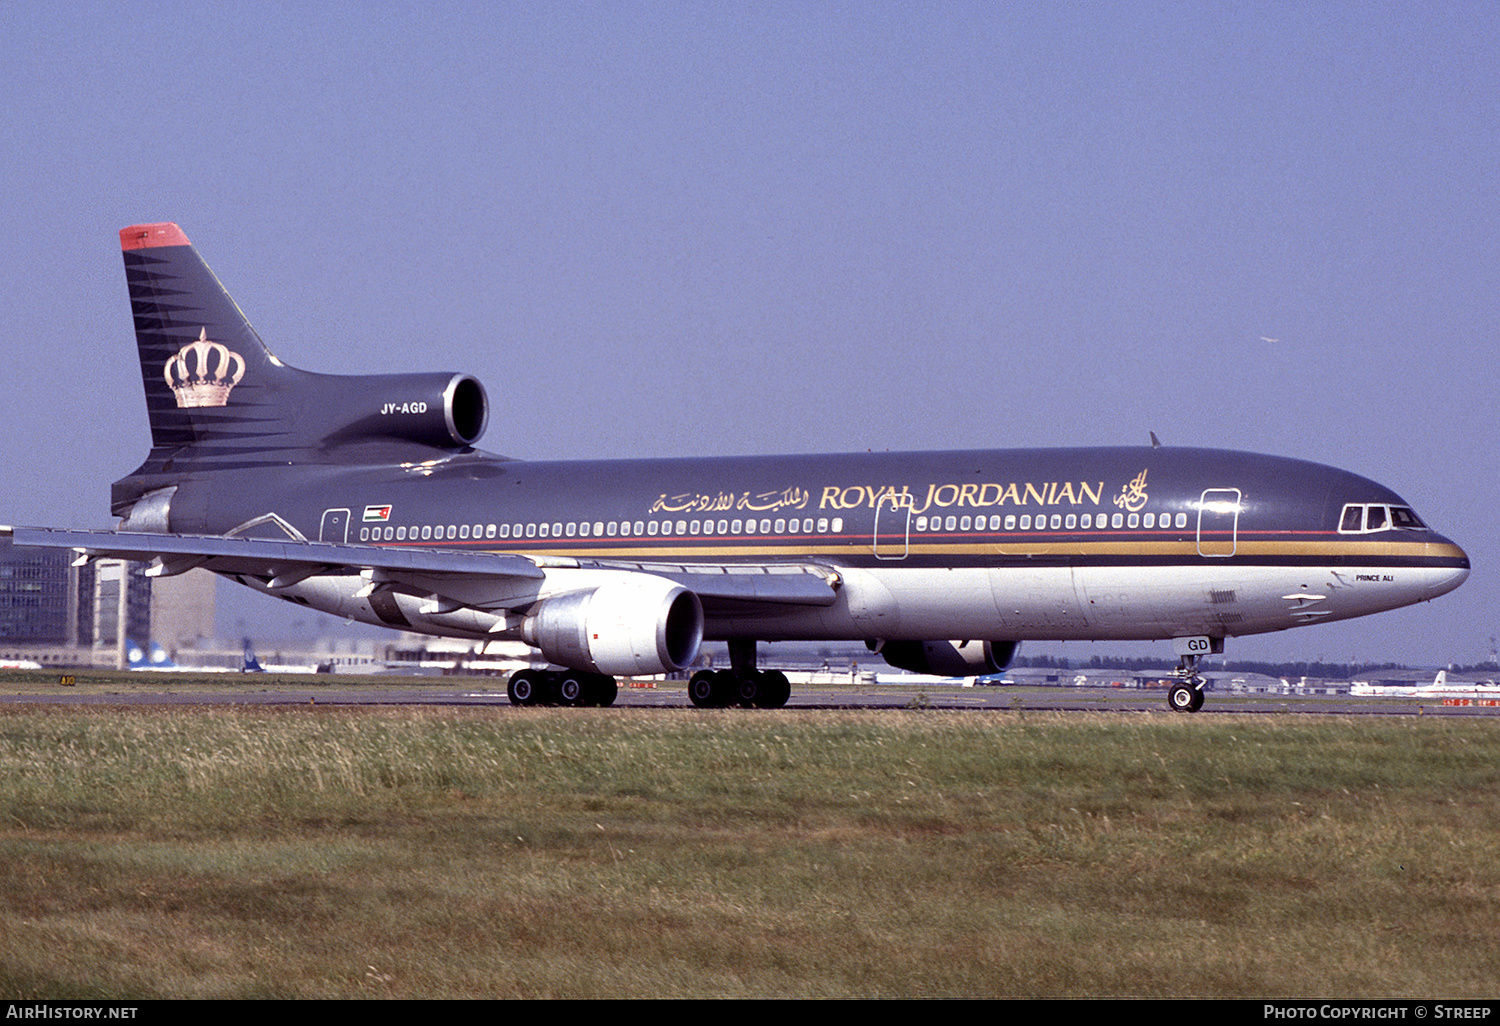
657 229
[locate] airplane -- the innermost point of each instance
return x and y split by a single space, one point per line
364 496
249 663
1439 686
156 660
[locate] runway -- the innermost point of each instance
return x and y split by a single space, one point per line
218 690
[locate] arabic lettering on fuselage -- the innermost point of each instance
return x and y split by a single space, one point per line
719 502
919 499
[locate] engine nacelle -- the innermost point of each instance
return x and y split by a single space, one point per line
950 658
637 625
447 411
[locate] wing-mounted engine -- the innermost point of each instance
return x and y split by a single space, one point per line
950 658
637 625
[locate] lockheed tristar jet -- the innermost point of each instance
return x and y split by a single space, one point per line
365 497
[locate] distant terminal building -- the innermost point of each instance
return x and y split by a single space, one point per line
42 600
183 609
56 614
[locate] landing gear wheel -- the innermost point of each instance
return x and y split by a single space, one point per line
1186 695
749 688
742 684
703 689
522 688
571 688
1184 698
774 690
601 691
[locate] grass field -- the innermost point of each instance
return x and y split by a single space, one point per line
497 852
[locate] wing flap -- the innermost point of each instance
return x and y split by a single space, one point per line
797 584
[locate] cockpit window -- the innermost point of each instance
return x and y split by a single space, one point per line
1369 517
1402 517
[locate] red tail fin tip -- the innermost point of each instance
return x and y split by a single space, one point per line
145 236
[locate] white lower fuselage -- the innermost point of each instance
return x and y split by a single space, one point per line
1046 603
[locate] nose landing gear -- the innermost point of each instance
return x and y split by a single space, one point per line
1186 695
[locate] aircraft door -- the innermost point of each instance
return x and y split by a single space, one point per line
892 526
1218 522
335 526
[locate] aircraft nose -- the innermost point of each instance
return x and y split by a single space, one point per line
1451 567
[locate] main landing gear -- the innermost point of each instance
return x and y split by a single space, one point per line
1186 695
741 685
561 687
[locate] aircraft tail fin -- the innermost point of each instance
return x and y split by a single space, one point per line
204 368
250 664
218 400
157 659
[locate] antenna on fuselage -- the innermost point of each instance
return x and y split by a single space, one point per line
1155 442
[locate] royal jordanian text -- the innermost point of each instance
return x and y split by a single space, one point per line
972 494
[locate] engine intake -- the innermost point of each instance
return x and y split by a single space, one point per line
639 625
950 658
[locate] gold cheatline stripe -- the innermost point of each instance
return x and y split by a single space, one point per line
1372 550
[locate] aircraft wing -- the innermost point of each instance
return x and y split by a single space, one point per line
273 558
285 562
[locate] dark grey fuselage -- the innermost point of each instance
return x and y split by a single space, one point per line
392 516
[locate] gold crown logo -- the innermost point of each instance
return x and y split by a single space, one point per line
203 372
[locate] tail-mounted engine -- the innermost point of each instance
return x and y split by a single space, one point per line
446 411
950 658
639 625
